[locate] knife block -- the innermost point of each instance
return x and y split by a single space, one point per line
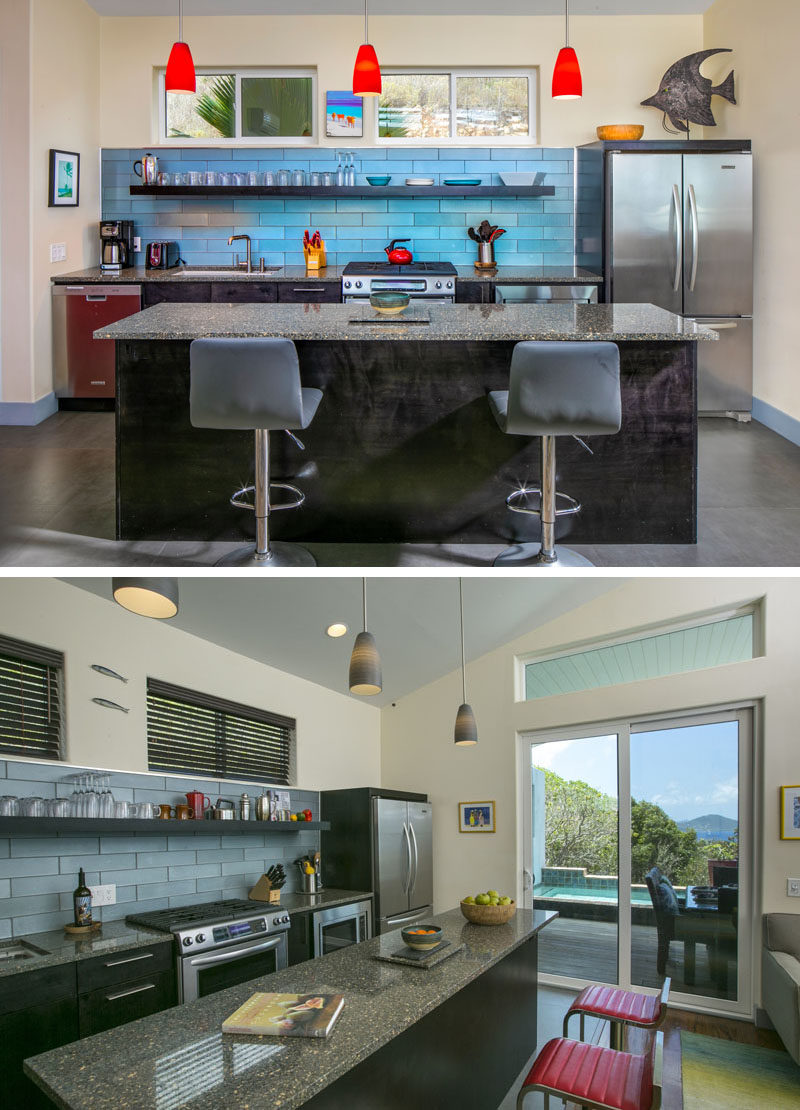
263 892
315 257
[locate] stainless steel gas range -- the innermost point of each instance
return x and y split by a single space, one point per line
434 282
220 944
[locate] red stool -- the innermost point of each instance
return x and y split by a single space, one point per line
596 1077
620 1007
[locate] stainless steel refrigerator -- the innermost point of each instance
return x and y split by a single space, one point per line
381 841
678 232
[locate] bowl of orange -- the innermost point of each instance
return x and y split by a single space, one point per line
421 937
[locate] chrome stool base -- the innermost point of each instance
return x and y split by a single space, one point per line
278 555
530 555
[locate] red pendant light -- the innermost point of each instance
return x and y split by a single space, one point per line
180 76
567 82
366 71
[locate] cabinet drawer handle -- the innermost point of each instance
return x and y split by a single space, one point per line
130 960
133 990
316 289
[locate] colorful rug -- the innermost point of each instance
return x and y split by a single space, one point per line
724 1075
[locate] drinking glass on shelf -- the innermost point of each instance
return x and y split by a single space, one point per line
9 805
269 178
240 179
32 807
210 177
340 178
106 798
314 179
121 809
180 179
283 177
195 177
226 179
58 807
252 178
164 178
327 179
298 178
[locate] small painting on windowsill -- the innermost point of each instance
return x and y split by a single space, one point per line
65 179
790 813
476 817
344 115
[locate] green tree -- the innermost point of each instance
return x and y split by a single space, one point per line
657 841
580 826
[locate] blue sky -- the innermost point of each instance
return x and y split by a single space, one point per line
687 771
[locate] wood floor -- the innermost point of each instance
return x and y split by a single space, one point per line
57 507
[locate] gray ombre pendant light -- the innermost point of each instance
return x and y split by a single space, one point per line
149 597
365 662
465 732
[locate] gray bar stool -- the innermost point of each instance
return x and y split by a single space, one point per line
556 389
254 384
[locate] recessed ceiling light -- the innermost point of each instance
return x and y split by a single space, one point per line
336 630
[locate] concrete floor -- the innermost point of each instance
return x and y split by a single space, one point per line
57 508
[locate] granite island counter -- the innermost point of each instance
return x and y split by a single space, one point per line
403 447
402 1039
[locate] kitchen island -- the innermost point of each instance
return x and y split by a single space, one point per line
403 447
458 1034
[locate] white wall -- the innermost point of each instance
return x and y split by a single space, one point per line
764 38
338 741
418 753
622 60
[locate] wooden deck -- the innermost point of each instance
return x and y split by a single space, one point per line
588 950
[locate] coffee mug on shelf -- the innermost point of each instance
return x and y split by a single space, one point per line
184 812
164 811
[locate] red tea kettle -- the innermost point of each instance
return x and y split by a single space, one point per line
398 256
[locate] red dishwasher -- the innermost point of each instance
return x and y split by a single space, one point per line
90 362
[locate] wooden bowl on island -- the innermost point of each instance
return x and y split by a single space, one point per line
488 915
620 132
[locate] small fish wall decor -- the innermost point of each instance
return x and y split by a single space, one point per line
110 704
107 671
684 95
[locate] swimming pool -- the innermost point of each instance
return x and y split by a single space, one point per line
607 896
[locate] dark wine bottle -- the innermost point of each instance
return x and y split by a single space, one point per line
82 900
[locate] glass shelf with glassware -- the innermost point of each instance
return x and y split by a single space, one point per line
334 190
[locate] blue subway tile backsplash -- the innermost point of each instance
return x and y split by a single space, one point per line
152 869
354 227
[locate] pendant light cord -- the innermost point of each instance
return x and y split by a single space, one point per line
366 28
463 669
180 20
566 22
364 600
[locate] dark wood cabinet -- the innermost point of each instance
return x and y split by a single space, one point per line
123 986
243 292
298 292
38 1011
175 292
123 966
474 292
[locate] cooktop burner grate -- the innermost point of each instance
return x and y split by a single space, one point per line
205 913
446 269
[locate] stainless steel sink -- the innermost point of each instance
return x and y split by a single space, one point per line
12 951
224 271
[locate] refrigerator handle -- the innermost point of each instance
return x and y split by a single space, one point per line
676 204
413 882
407 881
695 237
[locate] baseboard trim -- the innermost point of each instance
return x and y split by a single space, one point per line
777 421
28 413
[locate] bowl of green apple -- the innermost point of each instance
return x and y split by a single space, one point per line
489 908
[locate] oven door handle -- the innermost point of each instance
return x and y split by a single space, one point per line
234 953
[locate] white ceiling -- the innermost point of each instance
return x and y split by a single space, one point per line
400 7
282 621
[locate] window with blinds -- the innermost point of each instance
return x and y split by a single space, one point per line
31 700
195 732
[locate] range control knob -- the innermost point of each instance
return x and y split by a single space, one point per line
187 941
347 285
438 285
200 938
358 284
449 285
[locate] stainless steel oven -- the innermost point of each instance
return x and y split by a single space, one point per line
206 972
340 926
432 282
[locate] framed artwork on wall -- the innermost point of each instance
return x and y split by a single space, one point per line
476 817
790 813
65 179
344 115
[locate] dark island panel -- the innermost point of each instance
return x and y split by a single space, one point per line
404 449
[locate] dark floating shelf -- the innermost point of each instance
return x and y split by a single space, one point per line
342 191
47 826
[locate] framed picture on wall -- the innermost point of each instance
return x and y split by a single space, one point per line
476 817
344 115
65 179
790 813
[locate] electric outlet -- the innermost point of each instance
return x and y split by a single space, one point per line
137 242
104 895
793 888
58 252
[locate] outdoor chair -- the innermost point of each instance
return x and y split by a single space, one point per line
674 925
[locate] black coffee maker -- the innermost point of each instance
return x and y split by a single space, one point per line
116 244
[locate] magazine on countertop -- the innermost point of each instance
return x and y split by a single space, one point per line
286 1015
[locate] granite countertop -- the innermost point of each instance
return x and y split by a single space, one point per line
180 1056
305 903
443 323
61 948
548 275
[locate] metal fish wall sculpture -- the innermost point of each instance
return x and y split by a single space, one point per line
685 95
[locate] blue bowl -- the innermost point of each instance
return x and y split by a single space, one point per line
382 180
389 302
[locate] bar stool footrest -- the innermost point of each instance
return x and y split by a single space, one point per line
238 499
517 494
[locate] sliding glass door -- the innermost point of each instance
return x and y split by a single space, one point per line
667 804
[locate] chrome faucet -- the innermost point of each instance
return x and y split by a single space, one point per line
247 238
